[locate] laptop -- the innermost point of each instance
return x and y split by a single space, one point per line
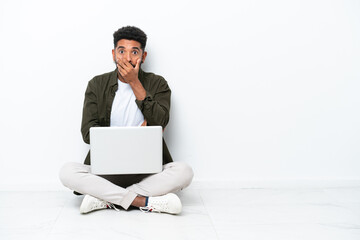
126 150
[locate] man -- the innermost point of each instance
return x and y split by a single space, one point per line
127 96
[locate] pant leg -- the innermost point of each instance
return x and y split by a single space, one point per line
79 178
174 177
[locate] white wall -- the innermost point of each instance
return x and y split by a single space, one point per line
262 90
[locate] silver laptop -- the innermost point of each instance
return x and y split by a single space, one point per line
126 150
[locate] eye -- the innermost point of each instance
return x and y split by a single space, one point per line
121 51
135 52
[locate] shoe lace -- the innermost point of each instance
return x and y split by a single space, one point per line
149 209
103 204
110 205
155 206
98 204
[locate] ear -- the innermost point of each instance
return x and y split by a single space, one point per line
113 53
143 57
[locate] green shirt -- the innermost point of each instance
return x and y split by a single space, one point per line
100 94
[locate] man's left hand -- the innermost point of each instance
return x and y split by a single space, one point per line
144 124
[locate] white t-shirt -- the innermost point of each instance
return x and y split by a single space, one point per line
124 111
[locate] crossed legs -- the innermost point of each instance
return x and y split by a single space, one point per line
78 177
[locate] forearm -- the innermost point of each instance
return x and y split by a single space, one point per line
85 130
155 111
138 89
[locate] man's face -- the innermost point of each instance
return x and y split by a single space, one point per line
128 50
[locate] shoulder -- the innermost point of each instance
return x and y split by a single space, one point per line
105 79
152 79
149 76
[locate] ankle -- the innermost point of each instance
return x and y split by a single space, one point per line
139 201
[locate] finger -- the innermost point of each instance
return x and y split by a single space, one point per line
125 64
122 79
120 75
123 72
137 64
120 65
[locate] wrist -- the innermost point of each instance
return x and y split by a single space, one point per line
138 89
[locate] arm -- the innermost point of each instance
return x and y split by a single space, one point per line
156 107
90 112
130 75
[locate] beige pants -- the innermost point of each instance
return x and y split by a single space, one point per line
174 177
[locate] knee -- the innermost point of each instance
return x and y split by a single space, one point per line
185 174
67 172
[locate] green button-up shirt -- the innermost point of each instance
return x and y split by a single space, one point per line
100 94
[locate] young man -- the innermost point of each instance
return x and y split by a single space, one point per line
127 96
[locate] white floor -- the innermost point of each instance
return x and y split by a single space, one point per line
326 213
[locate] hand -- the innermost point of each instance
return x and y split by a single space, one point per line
144 123
127 71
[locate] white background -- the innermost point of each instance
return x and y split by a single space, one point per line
262 90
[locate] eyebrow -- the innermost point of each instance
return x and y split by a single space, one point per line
132 48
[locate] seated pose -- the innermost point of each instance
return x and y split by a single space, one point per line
127 96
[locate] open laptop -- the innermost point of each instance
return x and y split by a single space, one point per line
126 150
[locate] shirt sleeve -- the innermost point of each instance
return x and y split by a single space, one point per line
156 107
90 112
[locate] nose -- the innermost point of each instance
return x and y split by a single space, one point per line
128 57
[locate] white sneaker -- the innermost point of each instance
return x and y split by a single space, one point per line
169 203
90 204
